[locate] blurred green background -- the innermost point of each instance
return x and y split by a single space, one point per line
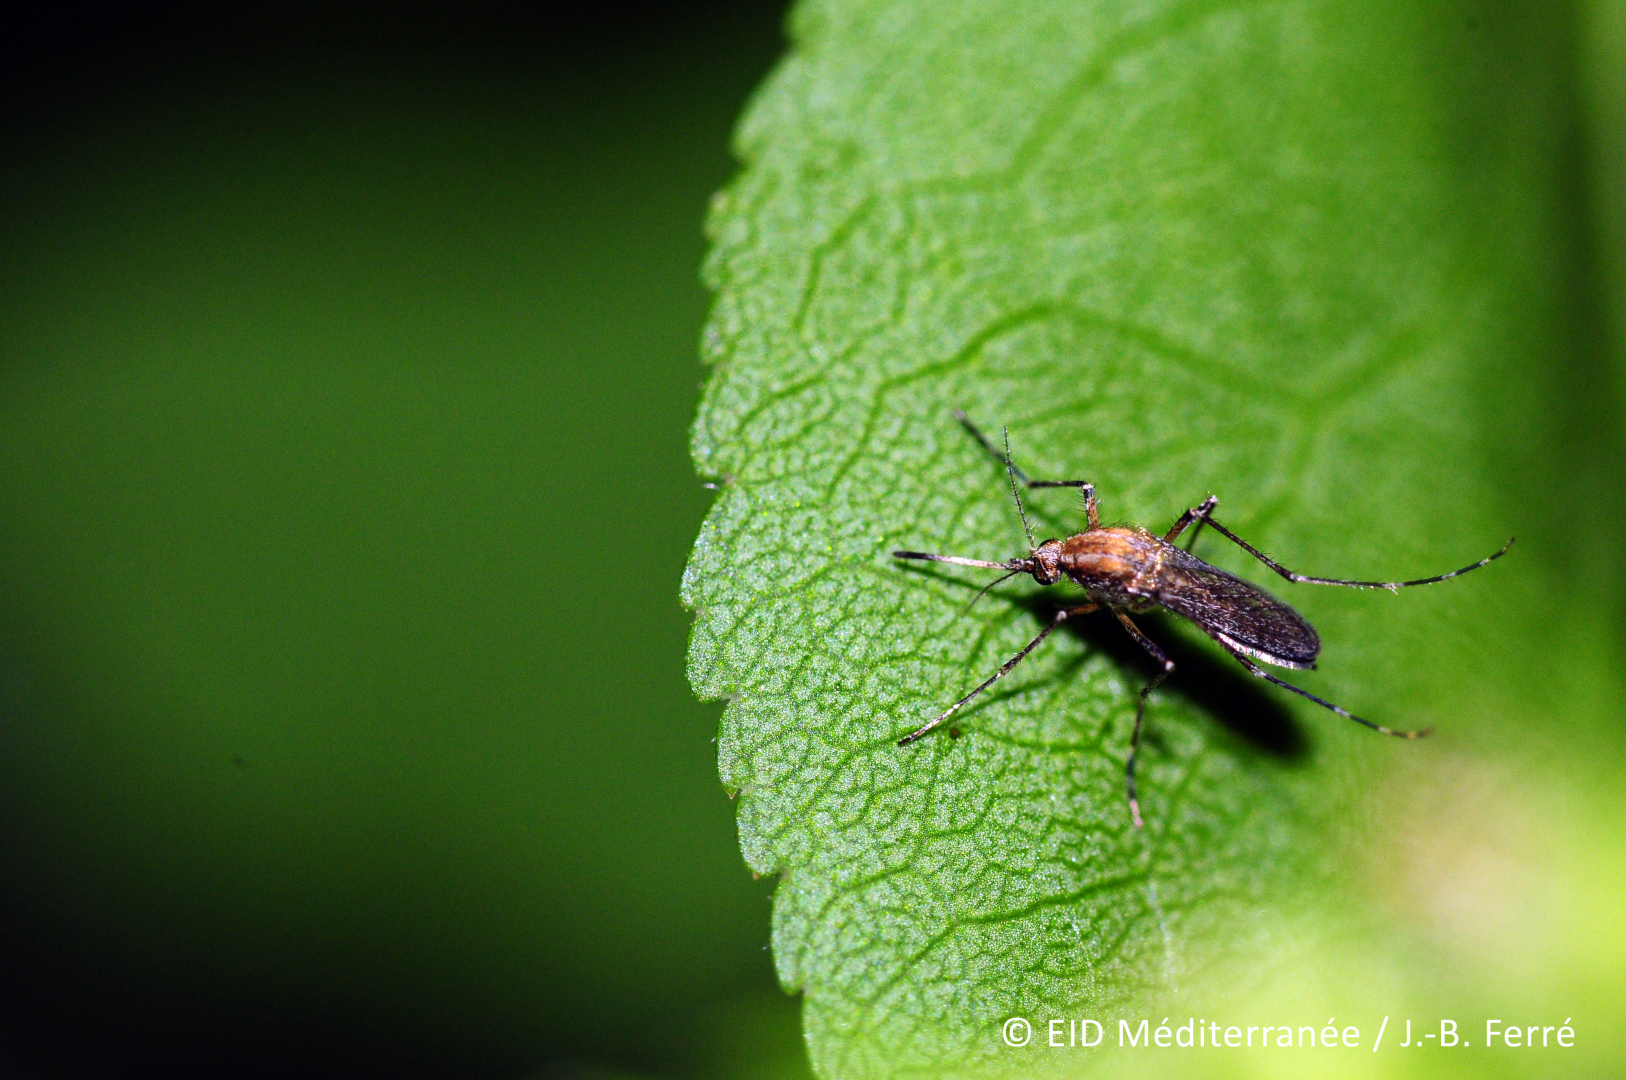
349 354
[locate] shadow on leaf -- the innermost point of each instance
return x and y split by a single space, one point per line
1217 686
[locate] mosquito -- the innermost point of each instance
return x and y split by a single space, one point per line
1127 569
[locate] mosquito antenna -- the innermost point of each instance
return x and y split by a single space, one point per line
984 590
982 440
1010 474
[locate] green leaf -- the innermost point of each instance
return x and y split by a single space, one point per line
1308 257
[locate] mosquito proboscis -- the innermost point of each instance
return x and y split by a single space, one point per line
1127 569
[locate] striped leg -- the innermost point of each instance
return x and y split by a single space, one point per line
1199 514
1268 677
1005 669
1392 586
1091 512
1140 709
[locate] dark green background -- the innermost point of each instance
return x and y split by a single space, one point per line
348 357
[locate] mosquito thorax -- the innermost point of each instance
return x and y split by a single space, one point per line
1046 560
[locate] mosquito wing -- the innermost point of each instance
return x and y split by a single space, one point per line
1235 613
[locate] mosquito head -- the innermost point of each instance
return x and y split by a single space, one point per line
1045 563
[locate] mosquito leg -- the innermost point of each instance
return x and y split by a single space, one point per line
994 452
1140 709
1268 677
1091 511
1199 514
1392 586
1004 670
